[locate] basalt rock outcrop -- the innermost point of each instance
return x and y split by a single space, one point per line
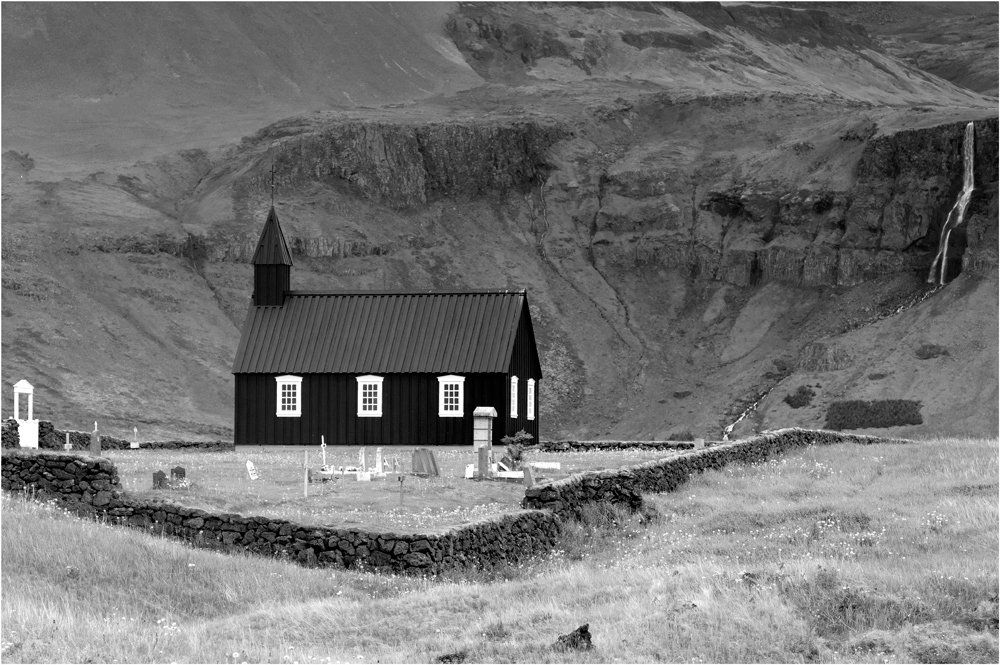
402 165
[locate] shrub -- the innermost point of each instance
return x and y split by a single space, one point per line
858 414
681 394
875 376
681 436
800 398
928 351
515 446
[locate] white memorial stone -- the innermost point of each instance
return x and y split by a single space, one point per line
252 470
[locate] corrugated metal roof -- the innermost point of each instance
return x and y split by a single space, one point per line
271 249
381 332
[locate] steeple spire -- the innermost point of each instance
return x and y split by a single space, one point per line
272 264
272 249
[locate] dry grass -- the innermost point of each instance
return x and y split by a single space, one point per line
837 554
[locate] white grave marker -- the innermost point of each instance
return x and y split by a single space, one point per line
135 438
363 459
95 441
322 447
252 470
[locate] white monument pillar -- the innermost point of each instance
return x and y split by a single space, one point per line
482 427
27 429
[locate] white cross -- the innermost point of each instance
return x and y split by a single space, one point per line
322 447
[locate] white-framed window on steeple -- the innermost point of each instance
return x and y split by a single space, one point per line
531 399
513 397
289 396
370 396
451 401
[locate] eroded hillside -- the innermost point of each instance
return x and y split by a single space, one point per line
752 219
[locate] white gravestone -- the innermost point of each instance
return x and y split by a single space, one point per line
135 438
27 429
252 470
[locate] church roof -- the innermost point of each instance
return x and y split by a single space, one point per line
382 332
272 250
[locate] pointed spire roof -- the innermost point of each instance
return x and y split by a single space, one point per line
272 249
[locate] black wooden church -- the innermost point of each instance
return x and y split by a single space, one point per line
379 368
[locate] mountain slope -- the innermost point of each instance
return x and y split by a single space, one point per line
123 82
690 241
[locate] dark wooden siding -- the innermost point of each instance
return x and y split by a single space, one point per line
270 283
524 364
329 408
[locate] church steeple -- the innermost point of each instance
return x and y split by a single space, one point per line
272 264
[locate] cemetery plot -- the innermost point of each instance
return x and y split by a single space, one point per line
270 483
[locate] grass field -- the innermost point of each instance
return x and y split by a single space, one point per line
219 482
872 554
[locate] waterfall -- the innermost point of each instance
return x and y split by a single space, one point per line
746 412
957 214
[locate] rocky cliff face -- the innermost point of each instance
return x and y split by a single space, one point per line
403 166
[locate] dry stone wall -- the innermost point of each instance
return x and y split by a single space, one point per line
54 439
11 438
569 445
86 483
91 485
566 497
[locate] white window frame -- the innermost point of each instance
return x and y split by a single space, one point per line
370 379
443 381
513 397
531 399
295 382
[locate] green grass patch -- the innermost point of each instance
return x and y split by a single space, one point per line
860 414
